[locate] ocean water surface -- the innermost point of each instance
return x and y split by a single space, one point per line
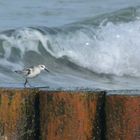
85 44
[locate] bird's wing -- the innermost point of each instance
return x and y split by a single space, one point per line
24 72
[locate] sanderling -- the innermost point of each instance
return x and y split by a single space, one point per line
31 72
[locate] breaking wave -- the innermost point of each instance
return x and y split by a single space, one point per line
108 44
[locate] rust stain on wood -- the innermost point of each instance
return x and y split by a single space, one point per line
69 116
64 115
123 117
14 113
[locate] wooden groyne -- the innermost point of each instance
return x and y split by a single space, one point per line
30 114
123 116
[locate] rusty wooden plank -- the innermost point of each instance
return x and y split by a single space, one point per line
72 115
18 114
123 117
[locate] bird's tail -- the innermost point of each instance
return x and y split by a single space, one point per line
18 71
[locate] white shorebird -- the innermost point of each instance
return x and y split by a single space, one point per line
31 72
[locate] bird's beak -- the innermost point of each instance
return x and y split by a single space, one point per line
46 70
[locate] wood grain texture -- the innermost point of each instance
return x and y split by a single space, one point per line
71 116
123 117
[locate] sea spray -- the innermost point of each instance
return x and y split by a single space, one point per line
97 52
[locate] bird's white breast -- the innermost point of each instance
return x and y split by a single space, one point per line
34 72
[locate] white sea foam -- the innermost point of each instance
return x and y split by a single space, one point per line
114 50
25 39
111 49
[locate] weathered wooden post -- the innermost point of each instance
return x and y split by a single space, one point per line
123 115
19 114
72 115
69 115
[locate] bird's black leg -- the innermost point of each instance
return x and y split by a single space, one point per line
29 84
26 81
